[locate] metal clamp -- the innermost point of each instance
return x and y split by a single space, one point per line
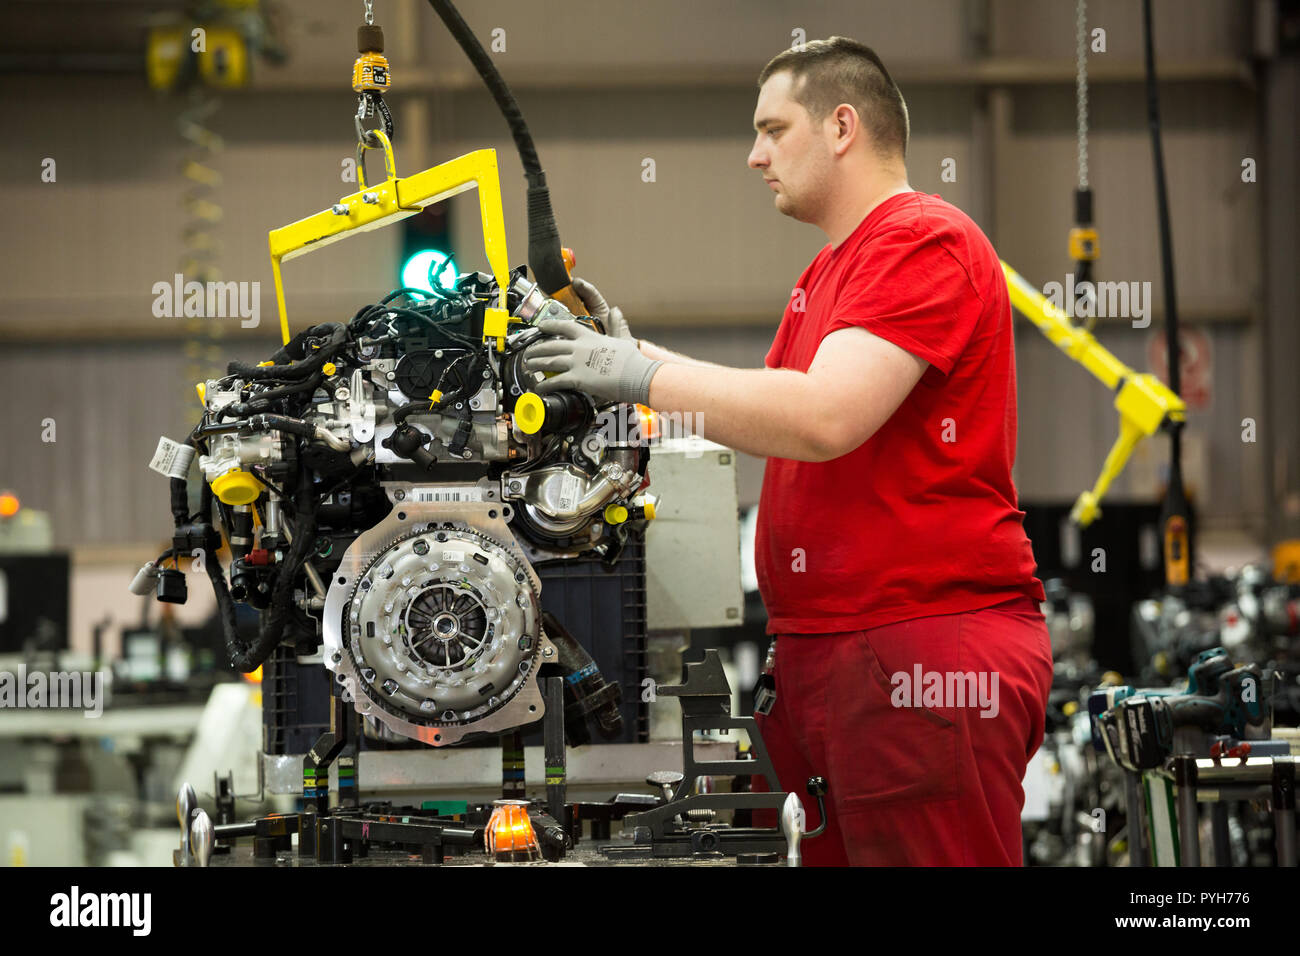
367 103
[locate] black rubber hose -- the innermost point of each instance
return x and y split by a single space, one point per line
1174 506
402 412
1162 203
272 394
297 370
281 423
544 256
236 647
180 491
247 657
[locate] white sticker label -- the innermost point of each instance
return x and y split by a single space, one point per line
466 493
568 491
172 458
453 556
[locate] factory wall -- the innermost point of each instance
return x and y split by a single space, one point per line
696 256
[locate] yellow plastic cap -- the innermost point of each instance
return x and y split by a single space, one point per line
649 510
615 514
202 389
530 413
329 368
236 487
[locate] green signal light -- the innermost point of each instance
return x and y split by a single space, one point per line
431 270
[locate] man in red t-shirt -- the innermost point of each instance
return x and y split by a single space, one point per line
912 663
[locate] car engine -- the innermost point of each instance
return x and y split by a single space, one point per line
386 486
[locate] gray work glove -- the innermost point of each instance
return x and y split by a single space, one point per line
611 318
603 366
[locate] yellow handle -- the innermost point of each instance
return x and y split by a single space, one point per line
394 199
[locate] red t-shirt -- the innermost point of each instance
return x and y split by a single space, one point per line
921 518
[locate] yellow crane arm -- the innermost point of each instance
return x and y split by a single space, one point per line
394 199
1144 403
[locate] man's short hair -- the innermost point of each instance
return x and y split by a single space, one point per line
826 73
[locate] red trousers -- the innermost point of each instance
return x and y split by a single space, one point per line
922 729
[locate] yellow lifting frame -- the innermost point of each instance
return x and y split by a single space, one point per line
1144 402
373 207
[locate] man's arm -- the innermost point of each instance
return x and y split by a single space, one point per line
855 382
652 351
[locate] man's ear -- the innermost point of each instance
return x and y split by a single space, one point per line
848 127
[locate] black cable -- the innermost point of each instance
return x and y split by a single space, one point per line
248 657
280 492
415 315
257 401
320 497
403 412
1174 510
544 256
424 294
299 369
1162 204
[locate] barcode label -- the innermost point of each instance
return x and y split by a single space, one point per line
172 458
448 494
568 492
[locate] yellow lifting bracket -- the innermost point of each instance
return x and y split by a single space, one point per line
391 201
1144 402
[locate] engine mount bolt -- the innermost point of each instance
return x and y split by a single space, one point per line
371 198
339 209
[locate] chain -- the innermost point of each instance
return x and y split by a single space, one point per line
1081 87
370 12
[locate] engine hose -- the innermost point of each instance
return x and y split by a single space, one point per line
295 426
295 349
544 256
180 491
235 646
297 370
247 657
282 423
403 412
262 399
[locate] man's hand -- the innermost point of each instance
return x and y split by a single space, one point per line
611 318
603 366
